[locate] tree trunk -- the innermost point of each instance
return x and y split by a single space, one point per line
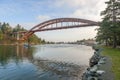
114 21
106 42
114 41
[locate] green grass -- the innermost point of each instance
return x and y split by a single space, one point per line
114 54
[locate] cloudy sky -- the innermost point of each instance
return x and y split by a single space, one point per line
29 13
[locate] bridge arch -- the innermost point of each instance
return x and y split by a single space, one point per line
59 23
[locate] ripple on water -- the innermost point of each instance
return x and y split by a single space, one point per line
59 70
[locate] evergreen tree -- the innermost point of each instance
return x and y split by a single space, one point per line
3 28
1 35
110 27
7 33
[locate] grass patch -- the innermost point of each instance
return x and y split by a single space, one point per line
114 54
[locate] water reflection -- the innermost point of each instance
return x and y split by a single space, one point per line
14 53
42 62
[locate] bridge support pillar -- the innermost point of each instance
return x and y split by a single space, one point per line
18 36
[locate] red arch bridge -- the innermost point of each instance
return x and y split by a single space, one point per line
57 24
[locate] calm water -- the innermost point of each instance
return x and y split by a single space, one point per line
44 62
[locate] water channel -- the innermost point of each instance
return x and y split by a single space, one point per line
44 62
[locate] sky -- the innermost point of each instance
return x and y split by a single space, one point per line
29 13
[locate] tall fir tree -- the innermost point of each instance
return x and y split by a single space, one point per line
108 31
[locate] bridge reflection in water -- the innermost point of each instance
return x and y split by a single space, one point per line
20 63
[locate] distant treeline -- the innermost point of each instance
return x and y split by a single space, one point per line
8 36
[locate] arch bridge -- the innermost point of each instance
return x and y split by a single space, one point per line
57 24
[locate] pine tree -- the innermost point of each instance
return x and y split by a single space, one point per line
109 28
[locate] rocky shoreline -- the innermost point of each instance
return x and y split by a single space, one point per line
94 71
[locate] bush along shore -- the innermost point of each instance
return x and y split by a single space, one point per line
94 72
